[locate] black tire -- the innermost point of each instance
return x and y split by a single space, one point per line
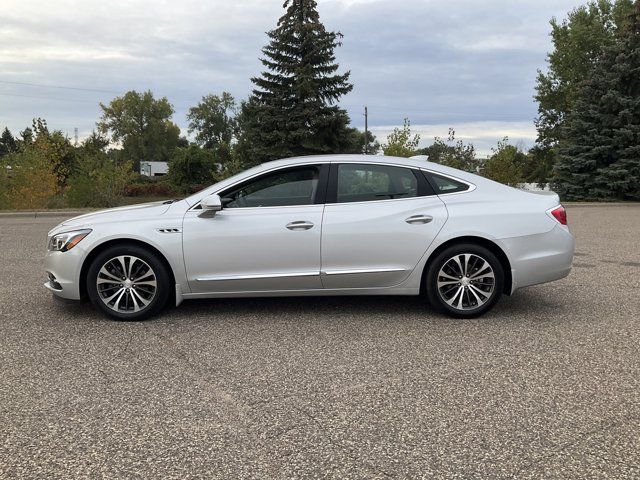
468 297
145 259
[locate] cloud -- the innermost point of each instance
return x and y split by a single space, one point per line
453 63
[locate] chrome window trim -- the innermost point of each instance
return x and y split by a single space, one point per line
471 188
382 200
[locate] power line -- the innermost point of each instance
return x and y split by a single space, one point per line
64 87
47 98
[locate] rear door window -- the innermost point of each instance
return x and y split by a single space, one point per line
365 183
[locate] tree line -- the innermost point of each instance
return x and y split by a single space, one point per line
589 102
588 124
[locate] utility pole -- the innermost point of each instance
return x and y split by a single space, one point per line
366 130
75 135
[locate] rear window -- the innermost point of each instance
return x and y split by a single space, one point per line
444 185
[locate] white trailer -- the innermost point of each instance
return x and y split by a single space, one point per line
154 169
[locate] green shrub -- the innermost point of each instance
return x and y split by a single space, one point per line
137 178
31 181
191 166
98 182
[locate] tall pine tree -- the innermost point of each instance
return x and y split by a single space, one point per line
600 157
292 110
8 144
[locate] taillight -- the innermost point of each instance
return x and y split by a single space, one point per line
560 214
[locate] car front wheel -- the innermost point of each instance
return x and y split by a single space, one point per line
128 282
464 281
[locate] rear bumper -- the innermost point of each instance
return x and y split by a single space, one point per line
540 258
63 272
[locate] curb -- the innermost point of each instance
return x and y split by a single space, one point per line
601 204
46 214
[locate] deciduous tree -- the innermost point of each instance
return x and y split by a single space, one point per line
31 182
54 148
452 153
214 123
97 181
401 142
142 124
506 164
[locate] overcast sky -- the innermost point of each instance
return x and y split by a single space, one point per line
466 64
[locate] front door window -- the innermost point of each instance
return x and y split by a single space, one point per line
280 189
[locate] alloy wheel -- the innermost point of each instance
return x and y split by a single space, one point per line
466 281
126 284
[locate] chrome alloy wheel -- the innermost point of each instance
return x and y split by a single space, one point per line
466 281
126 284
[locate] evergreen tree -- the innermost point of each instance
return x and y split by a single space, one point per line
578 41
292 110
8 144
601 155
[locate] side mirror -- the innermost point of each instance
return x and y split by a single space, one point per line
210 205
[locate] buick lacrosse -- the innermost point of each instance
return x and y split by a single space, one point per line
327 225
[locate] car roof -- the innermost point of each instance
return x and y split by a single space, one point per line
414 162
350 158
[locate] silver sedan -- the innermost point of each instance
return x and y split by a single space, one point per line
327 225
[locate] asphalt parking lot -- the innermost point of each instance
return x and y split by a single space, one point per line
546 386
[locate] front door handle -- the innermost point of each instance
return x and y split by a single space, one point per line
300 225
419 219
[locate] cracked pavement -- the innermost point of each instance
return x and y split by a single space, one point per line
546 386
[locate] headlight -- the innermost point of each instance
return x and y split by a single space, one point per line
63 242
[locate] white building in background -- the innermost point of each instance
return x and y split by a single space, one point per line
154 169
534 187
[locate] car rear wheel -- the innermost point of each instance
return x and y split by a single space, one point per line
128 282
464 281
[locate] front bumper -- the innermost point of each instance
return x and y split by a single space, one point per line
541 258
63 272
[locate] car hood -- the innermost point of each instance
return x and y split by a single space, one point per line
120 214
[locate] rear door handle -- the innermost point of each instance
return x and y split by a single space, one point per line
300 225
419 219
